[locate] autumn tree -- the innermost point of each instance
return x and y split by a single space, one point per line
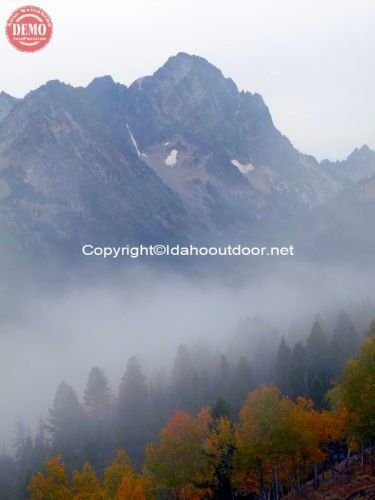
132 487
52 484
115 472
279 441
220 447
357 392
179 459
85 484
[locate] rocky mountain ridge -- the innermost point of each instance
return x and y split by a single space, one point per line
181 155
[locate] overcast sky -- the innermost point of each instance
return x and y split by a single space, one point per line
312 60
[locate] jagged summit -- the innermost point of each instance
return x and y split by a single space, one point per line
363 151
102 82
183 65
360 164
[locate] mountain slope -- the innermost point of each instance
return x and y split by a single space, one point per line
220 139
69 171
181 155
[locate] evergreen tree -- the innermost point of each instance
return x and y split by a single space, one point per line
24 457
159 403
41 446
182 377
97 397
8 478
344 341
319 364
282 366
221 377
98 403
297 375
240 384
133 411
221 408
67 426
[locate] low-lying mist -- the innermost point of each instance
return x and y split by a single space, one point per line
58 333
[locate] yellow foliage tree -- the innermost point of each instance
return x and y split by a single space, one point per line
354 394
114 474
279 440
85 484
52 485
220 447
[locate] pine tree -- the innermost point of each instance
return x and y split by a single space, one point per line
67 426
97 397
41 446
221 377
24 457
8 478
320 368
221 408
240 384
282 366
98 403
159 403
297 374
133 411
344 341
182 380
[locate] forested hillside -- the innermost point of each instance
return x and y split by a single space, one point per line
212 428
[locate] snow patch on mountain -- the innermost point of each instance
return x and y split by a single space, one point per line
133 140
243 168
171 159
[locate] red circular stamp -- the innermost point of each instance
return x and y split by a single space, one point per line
29 28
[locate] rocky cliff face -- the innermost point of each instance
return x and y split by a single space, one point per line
181 155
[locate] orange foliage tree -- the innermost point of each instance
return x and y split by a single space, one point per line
179 461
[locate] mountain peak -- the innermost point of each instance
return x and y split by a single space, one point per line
102 82
187 66
4 95
52 88
361 153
